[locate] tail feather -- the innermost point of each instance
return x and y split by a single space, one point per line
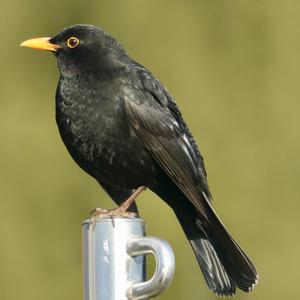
237 264
224 264
214 273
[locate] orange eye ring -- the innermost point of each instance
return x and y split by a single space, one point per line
73 42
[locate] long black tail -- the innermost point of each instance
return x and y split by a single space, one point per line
222 261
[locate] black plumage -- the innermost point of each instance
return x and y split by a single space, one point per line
122 127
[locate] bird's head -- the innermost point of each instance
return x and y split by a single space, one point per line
81 47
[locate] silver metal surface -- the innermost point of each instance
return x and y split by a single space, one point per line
114 262
164 271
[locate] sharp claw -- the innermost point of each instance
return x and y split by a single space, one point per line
113 220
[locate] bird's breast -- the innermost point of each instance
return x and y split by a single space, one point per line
98 136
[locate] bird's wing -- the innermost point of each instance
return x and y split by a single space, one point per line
160 128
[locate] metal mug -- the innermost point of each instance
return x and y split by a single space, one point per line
114 260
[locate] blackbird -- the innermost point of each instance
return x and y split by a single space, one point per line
122 127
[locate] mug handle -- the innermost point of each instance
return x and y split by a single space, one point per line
164 269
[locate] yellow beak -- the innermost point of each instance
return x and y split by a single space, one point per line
41 44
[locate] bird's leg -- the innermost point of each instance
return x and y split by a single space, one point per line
125 205
121 210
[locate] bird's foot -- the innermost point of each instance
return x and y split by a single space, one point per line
112 213
120 211
116 212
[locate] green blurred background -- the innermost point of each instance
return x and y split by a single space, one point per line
233 67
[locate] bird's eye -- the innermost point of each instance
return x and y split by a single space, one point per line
73 42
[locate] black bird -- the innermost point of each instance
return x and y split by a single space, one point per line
123 128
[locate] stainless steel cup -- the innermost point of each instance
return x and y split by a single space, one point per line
113 260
